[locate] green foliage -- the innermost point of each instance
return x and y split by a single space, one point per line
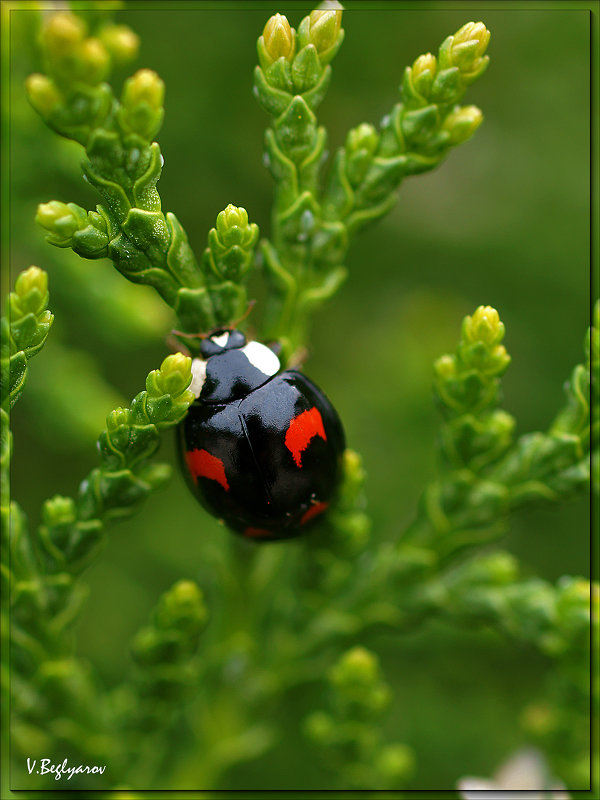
349 736
486 474
203 693
303 262
124 165
24 330
42 568
165 651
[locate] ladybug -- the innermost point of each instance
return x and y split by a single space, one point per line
261 449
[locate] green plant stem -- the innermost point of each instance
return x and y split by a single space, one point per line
124 163
48 683
312 229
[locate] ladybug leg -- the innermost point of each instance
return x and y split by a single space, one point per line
275 347
298 358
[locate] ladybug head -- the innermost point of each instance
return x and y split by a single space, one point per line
220 341
232 367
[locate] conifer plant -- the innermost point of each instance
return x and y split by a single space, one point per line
205 672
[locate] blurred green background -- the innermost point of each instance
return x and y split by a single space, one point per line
505 221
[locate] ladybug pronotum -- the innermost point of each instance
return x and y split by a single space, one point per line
261 448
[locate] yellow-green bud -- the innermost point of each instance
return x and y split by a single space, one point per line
352 462
230 220
278 39
43 94
576 589
324 28
30 295
418 80
363 137
233 229
445 367
31 280
354 474
472 32
144 87
121 42
58 510
49 213
94 61
484 326
142 100
467 49
479 346
424 63
55 675
61 220
183 603
148 646
320 727
356 666
501 426
574 601
462 123
501 568
63 34
395 761
423 72
119 418
174 375
354 531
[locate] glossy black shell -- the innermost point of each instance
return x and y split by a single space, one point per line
272 483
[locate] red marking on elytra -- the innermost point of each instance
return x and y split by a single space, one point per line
202 464
302 431
256 532
313 512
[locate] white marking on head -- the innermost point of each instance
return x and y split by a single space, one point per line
198 376
221 340
261 357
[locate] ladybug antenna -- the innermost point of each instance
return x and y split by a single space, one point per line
231 326
250 306
175 346
184 335
176 341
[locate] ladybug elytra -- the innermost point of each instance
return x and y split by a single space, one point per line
261 448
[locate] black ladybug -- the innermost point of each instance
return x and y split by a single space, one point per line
261 448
